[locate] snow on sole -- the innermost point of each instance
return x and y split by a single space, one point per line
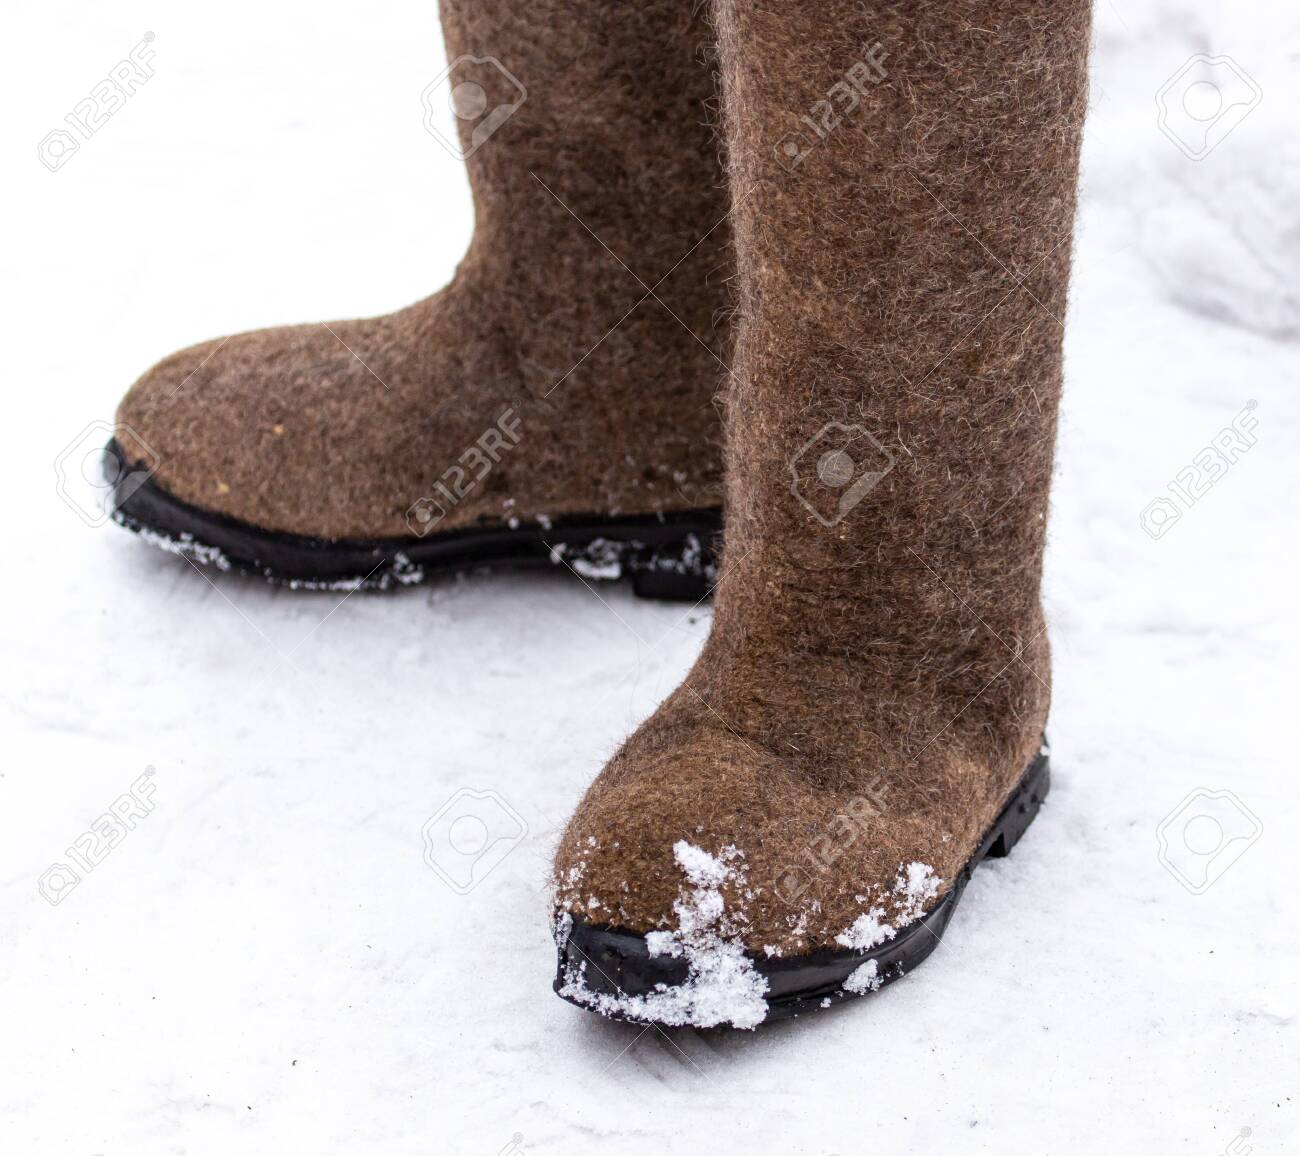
616 967
670 557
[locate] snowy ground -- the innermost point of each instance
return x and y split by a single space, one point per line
266 965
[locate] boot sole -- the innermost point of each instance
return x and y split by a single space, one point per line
671 557
619 963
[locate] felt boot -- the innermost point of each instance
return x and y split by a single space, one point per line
795 824
553 404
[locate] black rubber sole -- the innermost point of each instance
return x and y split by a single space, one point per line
670 557
619 962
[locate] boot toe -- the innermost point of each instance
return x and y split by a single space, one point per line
710 884
264 427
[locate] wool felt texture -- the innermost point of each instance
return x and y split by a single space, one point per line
876 678
602 183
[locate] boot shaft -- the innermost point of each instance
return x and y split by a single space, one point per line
601 250
905 185
606 105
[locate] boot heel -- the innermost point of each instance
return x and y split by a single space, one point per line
666 586
681 571
1020 810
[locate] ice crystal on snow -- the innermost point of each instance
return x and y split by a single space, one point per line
868 930
600 559
183 546
914 887
561 927
722 985
866 978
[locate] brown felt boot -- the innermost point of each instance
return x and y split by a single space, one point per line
795 824
552 404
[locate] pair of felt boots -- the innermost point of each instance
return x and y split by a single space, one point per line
876 278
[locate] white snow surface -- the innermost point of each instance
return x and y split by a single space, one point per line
266 962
